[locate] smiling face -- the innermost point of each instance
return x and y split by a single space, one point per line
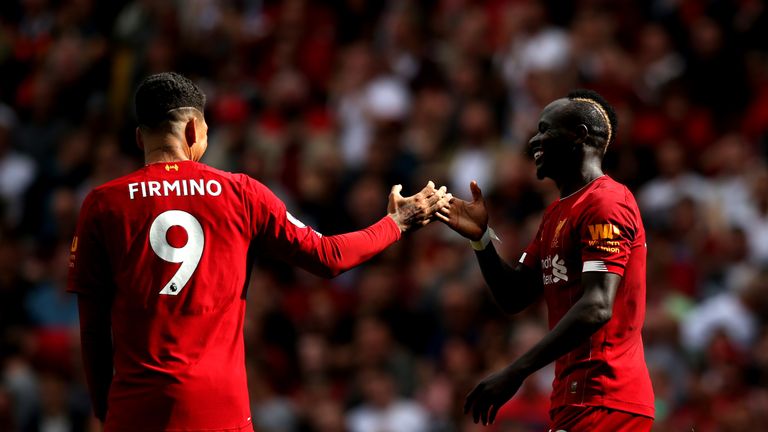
553 145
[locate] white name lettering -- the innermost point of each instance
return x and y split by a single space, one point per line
154 188
181 187
210 186
132 189
171 187
195 186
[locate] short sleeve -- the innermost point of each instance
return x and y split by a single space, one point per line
607 231
88 259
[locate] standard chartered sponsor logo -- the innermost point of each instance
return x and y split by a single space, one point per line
559 271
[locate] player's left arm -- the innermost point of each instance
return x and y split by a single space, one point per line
607 230
592 311
327 256
585 317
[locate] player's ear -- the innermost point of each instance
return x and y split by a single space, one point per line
190 131
582 131
139 138
202 129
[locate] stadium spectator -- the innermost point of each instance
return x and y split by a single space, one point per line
382 409
276 72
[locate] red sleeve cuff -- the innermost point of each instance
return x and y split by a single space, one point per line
392 226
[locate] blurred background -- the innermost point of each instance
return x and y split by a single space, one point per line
329 103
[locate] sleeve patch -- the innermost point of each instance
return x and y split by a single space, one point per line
603 231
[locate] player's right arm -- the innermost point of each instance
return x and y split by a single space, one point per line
89 278
513 288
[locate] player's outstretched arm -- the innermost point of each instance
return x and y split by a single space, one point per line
327 256
513 288
96 346
585 317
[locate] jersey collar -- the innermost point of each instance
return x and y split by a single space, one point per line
582 188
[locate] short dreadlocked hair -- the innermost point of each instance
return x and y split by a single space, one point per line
159 95
598 113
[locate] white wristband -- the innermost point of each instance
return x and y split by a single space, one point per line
484 240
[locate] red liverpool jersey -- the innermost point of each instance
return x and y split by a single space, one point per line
170 244
597 229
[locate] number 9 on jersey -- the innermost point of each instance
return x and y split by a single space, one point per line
188 255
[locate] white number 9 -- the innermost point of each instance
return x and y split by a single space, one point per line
188 255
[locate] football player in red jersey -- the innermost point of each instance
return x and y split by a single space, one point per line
160 263
588 262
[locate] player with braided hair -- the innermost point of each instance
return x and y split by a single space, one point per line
588 262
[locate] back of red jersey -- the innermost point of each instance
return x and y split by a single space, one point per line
169 243
168 247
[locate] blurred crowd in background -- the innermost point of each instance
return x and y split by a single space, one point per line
329 103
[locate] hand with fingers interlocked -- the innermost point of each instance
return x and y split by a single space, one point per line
492 393
415 211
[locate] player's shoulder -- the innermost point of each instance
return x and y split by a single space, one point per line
609 197
110 188
606 184
117 182
213 171
248 188
241 179
94 201
550 208
608 191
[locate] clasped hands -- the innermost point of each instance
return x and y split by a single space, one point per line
415 211
468 218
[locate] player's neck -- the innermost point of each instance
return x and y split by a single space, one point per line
165 152
572 183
